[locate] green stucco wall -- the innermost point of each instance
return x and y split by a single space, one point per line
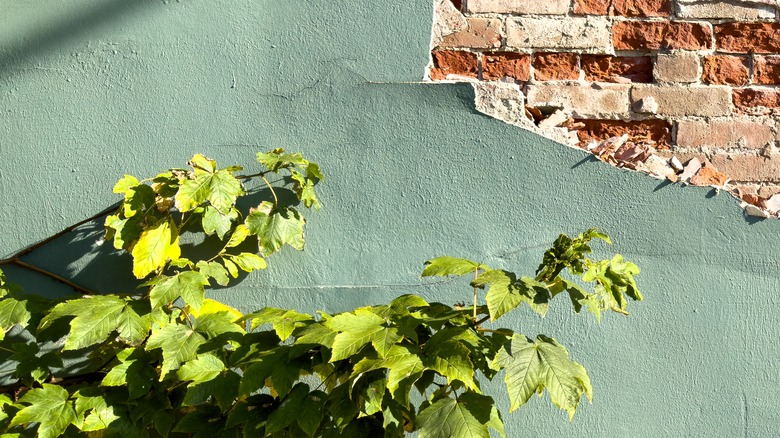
90 90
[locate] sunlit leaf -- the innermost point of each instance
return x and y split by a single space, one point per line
155 247
50 407
446 265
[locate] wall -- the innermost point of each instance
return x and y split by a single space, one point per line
680 79
95 89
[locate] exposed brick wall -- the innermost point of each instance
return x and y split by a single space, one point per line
687 90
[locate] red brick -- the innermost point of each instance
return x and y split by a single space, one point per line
658 131
626 8
642 8
655 35
446 62
766 69
726 70
708 176
750 98
556 66
499 65
591 7
605 68
739 37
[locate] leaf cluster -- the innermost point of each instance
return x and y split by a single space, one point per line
168 361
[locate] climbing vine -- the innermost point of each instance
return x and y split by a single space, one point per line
166 360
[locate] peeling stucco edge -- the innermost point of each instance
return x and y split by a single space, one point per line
505 101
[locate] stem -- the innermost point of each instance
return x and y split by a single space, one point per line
478 323
476 274
260 174
273 192
500 332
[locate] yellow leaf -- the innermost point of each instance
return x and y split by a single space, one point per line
155 247
212 306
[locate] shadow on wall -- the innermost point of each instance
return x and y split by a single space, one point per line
65 28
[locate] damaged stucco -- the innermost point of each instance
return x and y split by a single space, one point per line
682 90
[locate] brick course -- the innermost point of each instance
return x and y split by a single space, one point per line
646 79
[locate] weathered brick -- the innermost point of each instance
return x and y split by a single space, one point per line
657 131
661 35
606 102
686 101
748 167
740 37
499 65
606 68
642 8
726 70
481 33
678 66
724 134
556 66
559 33
592 7
747 99
626 8
722 9
554 7
453 62
766 69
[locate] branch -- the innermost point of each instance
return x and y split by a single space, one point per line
67 230
16 259
52 275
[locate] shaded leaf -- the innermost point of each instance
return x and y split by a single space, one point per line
275 227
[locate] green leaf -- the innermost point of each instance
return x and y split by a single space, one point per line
155 247
289 410
355 330
288 322
304 188
179 344
50 407
214 270
189 285
12 312
311 414
203 368
107 313
132 371
275 227
467 417
277 158
506 293
215 221
384 340
221 189
248 262
446 265
534 366
124 231
223 388
217 323
199 162
401 361
451 360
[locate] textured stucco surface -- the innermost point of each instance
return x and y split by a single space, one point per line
412 172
